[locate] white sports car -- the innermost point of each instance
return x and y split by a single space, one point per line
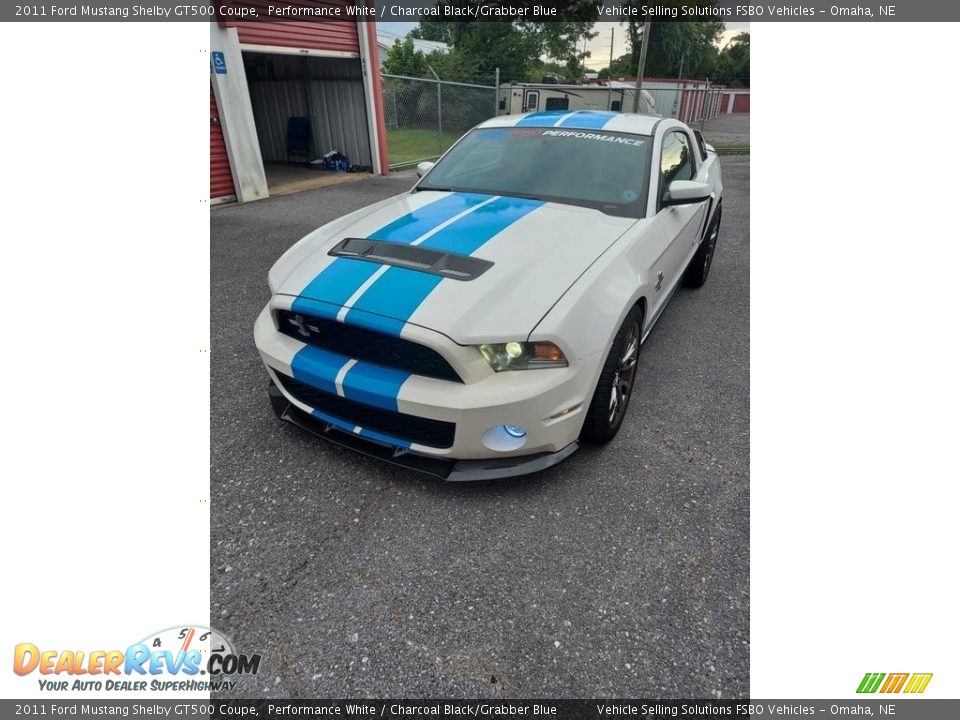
484 323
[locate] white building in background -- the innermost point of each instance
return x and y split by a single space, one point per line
385 42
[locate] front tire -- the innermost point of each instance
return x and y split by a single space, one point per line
615 386
699 267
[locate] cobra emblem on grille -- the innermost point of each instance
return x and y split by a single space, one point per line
301 326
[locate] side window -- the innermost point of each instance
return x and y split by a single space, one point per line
557 103
676 162
701 143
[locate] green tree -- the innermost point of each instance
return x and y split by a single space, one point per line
515 47
623 66
485 46
733 62
692 43
404 59
436 30
562 43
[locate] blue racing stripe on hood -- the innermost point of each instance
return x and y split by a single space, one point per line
589 119
396 295
339 280
336 284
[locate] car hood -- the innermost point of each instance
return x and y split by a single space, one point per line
533 251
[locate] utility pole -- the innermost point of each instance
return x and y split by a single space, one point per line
676 95
641 65
706 98
610 72
583 60
439 110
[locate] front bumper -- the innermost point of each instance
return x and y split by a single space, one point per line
440 467
549 404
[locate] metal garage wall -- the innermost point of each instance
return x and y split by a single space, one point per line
741 103
329 91
221 178
332 36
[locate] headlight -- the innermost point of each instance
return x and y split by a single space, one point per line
522 355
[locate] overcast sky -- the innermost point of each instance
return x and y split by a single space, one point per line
599 47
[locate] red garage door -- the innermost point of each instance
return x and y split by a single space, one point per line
221 179
333 37
741 103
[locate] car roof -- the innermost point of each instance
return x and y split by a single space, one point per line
579 120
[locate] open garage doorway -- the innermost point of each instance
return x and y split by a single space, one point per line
306 107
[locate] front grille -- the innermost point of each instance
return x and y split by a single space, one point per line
432 433
362 344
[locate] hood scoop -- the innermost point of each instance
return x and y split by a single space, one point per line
412 257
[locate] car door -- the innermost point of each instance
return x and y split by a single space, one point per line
680 225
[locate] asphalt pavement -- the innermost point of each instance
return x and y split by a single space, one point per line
623 572
727 129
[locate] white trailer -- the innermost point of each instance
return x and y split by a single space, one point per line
529 97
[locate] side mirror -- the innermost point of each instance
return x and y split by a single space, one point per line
686 192
709 147
423 168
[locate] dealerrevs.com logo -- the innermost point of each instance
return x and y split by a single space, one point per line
894 682
182 659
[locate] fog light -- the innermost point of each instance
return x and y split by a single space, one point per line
504 438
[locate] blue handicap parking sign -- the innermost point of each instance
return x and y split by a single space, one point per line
219 63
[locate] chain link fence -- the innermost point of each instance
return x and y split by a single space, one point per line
693 106
425 117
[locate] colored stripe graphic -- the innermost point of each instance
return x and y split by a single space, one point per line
900 682
362 432
354 380
588 119
337 282
870 682
894 682
583 119
918 682
338 375
318 367
541 119
374 385
396 295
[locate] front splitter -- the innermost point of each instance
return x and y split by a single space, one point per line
444 468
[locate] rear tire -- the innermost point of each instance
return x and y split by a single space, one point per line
615 386
699 268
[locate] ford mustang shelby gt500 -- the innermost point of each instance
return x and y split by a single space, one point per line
483 323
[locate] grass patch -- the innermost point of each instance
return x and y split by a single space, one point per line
732 149
407 146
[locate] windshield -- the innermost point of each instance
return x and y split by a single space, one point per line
594 168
